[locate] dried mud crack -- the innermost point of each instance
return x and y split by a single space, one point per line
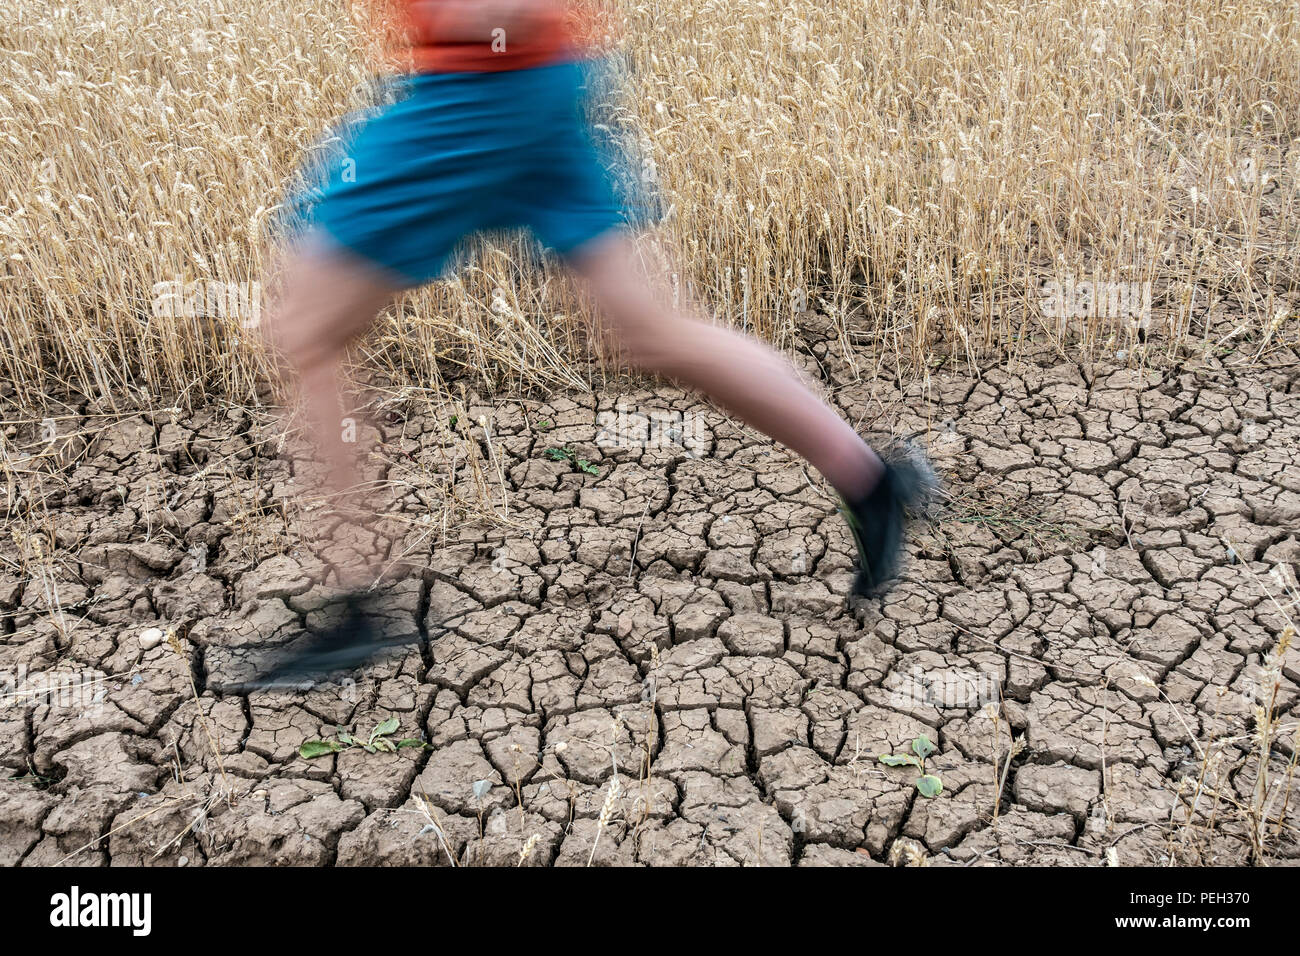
1084 630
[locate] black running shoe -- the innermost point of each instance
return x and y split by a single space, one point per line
354 641
878 521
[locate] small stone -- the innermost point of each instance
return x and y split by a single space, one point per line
150 638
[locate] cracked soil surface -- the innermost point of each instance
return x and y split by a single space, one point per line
1071 632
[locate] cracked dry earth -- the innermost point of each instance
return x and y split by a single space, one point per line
681 615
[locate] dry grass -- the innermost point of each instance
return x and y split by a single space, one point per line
916 169
1246 783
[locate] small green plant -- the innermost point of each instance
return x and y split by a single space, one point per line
545 425
927 783
33 779
379 741
568 454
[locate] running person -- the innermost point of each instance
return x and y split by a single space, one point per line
489 134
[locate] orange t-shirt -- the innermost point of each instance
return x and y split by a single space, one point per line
418 35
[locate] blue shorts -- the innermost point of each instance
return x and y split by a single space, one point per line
458 153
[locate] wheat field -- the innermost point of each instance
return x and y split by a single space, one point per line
919 172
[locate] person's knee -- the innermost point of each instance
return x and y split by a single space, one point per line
314 323
629 335
642 340
287 338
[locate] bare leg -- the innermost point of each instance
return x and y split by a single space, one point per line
329 298
740 373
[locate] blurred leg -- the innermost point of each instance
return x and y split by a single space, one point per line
738 372
329 298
